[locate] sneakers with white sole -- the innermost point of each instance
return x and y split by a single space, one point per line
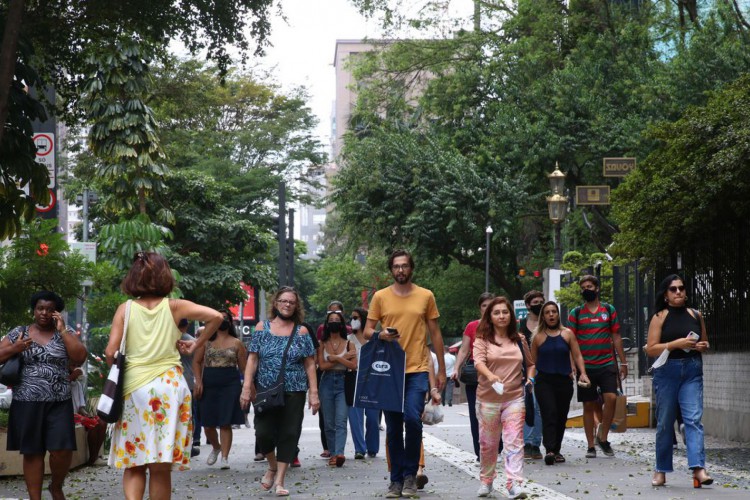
224 463
213 456
484 490
517 491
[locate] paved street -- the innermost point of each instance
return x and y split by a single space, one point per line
451 469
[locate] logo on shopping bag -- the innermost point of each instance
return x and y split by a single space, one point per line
381 366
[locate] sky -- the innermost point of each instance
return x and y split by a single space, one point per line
302 50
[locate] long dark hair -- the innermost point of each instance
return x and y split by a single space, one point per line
486 329
661 291
362 316
327 332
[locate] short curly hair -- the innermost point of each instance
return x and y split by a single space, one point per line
46 295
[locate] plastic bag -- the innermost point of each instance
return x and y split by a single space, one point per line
433 414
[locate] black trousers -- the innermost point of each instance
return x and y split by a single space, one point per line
280 429
553 393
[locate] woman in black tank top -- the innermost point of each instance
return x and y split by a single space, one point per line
679 382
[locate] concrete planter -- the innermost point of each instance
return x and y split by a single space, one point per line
11 462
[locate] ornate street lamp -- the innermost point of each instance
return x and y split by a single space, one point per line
488 233
558 209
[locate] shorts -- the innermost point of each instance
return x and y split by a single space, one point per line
36 427
605 379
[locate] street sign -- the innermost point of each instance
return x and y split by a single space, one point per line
45 154
618 167
519 309
592 195
87 249
50 206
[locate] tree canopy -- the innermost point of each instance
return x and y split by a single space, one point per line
452 134
693 187
50 43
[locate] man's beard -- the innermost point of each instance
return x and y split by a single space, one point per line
402 279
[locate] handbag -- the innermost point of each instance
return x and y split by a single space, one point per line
272 397
469 375
10 371
110 403
350 383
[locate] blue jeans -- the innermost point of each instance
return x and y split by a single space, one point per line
335 410
533 435
366 438
679 382
404 452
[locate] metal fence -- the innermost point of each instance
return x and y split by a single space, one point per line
717 278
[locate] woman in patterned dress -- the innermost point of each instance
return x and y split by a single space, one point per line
217 370
277 430
41 413
155 431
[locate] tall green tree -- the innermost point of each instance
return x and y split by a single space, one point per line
48 44
695 186
227 144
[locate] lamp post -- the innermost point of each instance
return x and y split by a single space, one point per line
488 233
557 204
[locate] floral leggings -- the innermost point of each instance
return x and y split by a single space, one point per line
495 418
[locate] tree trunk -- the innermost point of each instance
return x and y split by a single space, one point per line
8 58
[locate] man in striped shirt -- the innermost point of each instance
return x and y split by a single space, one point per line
597 330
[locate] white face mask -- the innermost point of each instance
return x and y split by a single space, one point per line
356 324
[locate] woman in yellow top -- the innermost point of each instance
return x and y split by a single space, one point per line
154 432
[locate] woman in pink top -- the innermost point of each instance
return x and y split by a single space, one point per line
499 353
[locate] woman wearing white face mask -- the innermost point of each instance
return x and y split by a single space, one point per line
366 438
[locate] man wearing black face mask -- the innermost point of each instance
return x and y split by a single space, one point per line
597 330
532 435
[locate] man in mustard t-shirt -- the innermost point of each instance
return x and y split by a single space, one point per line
412 312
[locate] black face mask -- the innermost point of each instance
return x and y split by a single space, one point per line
224 326
535 309
589 295
282 316
335 327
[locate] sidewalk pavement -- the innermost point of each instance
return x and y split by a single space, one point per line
451 468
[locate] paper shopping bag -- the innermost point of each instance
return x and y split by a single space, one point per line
620 420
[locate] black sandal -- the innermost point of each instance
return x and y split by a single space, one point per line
559 458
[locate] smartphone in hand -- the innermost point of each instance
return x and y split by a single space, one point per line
692 336
393 332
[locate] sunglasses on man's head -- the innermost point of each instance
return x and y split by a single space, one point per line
674 288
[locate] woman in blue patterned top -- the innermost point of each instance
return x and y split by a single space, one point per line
277 431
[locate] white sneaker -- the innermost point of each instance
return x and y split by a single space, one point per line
224 463
484 490
516 491
213 456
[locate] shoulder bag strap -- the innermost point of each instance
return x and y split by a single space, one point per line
125 326
286 351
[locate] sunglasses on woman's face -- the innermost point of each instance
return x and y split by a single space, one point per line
674 289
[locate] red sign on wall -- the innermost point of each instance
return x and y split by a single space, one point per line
248 309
